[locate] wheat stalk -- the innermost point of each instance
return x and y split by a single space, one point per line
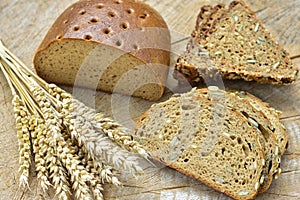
73 147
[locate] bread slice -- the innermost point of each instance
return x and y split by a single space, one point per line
259 121
113 46
241 47
206 140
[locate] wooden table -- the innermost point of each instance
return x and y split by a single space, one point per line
23 24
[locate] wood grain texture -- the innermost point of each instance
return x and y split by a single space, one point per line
23 24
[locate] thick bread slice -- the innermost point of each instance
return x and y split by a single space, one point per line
113 46
260 122
206 140
242 48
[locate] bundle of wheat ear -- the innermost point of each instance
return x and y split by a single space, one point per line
75 149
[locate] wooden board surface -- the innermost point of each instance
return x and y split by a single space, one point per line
23 24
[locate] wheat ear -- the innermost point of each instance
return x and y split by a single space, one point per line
22 124
39 150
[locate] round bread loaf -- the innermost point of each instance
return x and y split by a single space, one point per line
118 46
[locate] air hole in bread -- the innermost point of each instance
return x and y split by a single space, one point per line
223 150
124 25
188 107
76 28
66 21
141 133
100 6
186 160
58 37
119 1
130 10
246 150
239 140
135 47
94 20
245 114
111 14
144 16
82 12
106 31
118 43
270 166
264 132
87 37
250 146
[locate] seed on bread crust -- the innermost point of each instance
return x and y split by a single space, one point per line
256 27
253 122
261 180
219 180
256 186
236 18
243 192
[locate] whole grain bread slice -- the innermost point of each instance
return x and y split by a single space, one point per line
206 140
241 47
259 121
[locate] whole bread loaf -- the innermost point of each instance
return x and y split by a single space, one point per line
240 46
207 139
110 45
